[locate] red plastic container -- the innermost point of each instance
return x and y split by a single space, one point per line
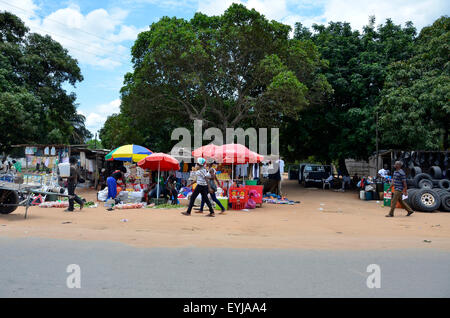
238 198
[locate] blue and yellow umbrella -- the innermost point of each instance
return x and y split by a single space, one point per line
132 153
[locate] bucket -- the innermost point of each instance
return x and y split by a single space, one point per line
362 195
369 195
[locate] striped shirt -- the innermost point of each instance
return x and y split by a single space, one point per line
398 178
202 174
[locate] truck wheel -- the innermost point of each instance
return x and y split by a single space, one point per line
425 184
419 177
8 197
426 200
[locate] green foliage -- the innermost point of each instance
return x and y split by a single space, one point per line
343 126
33 103
415 104
228 70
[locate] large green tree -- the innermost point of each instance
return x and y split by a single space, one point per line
33 104
228 70
344 126
415 104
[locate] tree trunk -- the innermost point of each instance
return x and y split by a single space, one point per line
342 167
446 137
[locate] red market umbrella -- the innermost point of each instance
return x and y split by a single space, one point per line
236 154
207 151
161 162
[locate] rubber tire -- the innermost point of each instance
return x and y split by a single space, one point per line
11 198
411 193
445 203
436 172
422 196
419 177
425 184
441 192
444 184
415 171
410 183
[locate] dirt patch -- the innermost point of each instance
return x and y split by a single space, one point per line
324 219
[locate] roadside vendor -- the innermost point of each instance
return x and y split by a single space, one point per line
112 184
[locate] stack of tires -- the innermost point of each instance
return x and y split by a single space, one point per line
428 192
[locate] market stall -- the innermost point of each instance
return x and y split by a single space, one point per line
159 162
229 157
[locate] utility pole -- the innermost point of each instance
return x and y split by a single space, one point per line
376 141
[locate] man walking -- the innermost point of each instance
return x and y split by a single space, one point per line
72 184
400 188
201 188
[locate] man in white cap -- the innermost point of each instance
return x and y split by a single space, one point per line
201 188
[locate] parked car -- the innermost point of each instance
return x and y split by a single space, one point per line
313 174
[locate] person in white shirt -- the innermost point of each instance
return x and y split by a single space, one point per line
280 163
201 188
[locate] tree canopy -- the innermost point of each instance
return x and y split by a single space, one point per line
326 88
33 104
224 70
415 107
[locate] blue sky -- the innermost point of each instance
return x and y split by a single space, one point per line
99 34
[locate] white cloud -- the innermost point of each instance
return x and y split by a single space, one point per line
96 119
420 12
357 12
94 39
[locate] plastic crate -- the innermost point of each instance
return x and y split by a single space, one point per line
238 198
240 205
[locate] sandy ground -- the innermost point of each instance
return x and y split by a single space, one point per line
345 222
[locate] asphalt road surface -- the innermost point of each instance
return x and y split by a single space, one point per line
32 267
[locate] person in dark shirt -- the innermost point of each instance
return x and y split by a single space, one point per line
400 189
72 182
274 180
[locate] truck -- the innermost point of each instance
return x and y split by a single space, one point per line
311 174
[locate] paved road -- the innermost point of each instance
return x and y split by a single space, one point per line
32 267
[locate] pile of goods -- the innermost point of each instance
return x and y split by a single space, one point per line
166 206
54 204
88 204
428 192
277 199
123 206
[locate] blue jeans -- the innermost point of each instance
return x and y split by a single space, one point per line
214 198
